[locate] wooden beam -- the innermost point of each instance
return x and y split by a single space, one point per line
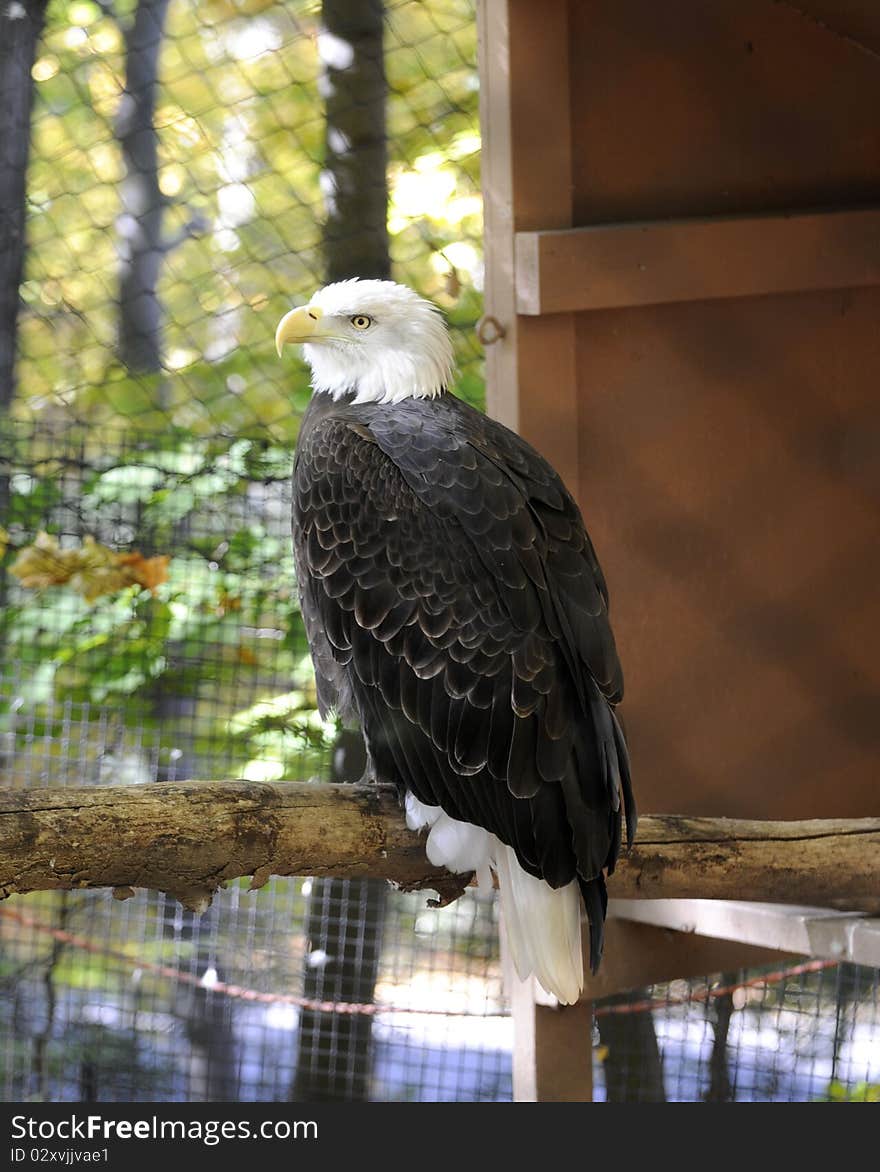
553 1054
612 266
552 1060
639 954
805 931
493 45
188 838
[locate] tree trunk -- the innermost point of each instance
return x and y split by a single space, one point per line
720 1089
344 932
208 1018
346 916
139 228
354 180
21 26
633 1065
142 249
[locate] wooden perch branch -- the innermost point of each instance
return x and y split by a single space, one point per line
189 838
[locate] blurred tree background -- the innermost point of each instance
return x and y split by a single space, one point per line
178 176
232 220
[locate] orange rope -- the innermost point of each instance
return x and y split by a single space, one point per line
350 1007
811 966
228 990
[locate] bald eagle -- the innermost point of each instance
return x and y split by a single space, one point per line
455 607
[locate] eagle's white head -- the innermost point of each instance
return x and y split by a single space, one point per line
376 338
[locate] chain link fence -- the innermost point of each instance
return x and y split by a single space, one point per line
194 171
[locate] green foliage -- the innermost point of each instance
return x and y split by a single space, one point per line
189 462
862 1092
220 631
241 141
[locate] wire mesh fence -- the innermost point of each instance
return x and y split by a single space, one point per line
209 677
140 1002
144 1002
804 1032
195 170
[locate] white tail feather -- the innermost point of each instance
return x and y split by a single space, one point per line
543 925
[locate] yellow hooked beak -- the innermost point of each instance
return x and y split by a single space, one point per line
300 325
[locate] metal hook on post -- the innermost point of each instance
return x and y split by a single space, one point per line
489 330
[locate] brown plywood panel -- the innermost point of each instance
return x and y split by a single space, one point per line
730 476
855 21
689 109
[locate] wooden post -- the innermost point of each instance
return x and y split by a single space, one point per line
552 1056
527 187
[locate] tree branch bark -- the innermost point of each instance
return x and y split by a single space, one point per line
188 838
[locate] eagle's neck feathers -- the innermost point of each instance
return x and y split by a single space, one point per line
384 376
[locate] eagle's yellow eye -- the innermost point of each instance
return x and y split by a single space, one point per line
360 321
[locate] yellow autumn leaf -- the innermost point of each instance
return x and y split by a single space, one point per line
43 563
97 571
91 570
227 603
